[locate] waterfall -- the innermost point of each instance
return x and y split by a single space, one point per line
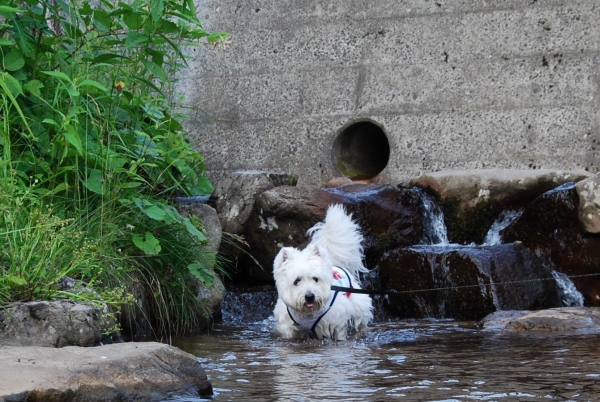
434 228
493 237
568 293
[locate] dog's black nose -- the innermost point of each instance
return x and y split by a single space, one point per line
309 297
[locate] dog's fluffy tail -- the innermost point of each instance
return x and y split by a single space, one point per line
340 237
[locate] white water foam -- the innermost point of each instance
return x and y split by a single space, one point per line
493 237
568 293
434 228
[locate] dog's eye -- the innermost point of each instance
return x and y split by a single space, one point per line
315 279
297 281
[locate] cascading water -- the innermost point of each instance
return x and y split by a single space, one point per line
504 272
434 227
568 293
493 236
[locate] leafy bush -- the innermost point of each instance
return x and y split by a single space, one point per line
90 127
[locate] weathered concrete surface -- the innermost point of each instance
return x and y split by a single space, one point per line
119 372
454 84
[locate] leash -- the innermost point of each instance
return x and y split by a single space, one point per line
394 291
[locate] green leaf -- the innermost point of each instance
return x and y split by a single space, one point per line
157 10
193 230
95 182
133 20
7 11
201 273
17 280
94 84
33 87
153 211
59 75
12 84
73 137
155 70
5 42
148 243
135 38
13 61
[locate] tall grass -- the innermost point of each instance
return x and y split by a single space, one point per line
93 151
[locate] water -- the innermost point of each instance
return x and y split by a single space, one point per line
506 218
407 361
434 227
568 293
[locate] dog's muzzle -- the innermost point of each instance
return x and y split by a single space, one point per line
309 300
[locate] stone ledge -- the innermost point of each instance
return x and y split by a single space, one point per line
120 372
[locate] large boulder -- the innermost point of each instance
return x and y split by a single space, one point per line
465 282
234 196
472 199
50 324
120 372
550 227
389 217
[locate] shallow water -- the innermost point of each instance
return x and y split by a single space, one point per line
410 361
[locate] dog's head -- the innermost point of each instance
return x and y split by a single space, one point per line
303 279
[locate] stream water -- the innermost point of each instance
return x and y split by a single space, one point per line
402 360
408 360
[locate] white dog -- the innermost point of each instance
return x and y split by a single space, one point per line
306 302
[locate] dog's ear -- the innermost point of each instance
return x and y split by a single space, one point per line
281 257
315 251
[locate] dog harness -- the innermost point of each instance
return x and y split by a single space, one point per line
341 278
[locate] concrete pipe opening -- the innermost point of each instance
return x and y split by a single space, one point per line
361 150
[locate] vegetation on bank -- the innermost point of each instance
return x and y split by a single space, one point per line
93 152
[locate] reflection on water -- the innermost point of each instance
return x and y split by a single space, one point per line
410 361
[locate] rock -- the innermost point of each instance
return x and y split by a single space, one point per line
51 324
578 319
388 217
550 227
473 199
338 182
589 203
465 282
211 296
119 372
234 196
507 186
210 220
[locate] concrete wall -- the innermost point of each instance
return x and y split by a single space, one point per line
454 84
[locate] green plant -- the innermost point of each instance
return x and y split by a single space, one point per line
90 125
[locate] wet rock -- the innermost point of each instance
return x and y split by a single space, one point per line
550 227
120 372
589 203
234 196
51 324
472 199
465 282
470 187
389 217
578 319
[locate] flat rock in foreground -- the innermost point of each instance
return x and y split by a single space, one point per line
146 371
